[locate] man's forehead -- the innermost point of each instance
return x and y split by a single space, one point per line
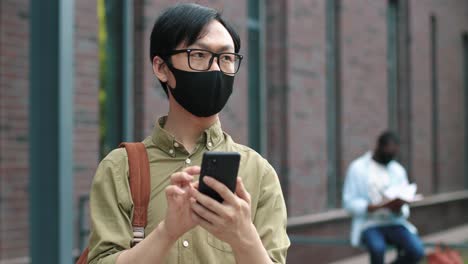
218 46
214 37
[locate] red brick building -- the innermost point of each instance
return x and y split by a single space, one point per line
320 81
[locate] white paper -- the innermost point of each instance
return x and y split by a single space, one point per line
406 192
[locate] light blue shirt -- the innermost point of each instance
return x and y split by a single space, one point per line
356 196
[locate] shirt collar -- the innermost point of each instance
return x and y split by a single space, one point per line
165 141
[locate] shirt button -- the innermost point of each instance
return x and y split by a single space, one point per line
171 151
185 243
176 144
210 144
188 161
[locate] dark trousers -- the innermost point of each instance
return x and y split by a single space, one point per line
409 246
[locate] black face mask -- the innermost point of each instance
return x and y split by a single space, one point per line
384 158
202 94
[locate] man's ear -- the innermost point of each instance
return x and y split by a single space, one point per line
160 69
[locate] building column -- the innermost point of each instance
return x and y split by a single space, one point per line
51 126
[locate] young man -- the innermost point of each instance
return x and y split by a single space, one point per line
194 55
376 221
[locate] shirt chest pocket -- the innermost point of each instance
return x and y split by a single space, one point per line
218 244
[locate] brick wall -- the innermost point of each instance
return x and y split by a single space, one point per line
14 96
86 99
364 76
363 100
306 111
451 21
301 156
276 82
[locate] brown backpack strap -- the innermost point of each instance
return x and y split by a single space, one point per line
83 257
139 186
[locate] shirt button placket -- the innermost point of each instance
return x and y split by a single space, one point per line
185 243
186 249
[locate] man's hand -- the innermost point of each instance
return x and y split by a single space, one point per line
229 221
155 247
179 218
393 205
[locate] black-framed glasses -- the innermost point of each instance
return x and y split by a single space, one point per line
201 60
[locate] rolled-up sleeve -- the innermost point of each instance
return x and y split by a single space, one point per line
110 209
354 200
271 217
405 209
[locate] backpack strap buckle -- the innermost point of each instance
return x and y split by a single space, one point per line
138 235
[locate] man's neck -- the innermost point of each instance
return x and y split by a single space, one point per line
186 127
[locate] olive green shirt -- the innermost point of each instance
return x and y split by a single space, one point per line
111 204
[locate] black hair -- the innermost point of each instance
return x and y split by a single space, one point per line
184 23
387 137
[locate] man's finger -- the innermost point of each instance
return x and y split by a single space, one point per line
220 188
208 202
181 178
202 222
192 170
241 191
172 190
203 212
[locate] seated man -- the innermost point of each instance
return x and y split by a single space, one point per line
376 220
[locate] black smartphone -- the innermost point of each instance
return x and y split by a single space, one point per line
223 166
